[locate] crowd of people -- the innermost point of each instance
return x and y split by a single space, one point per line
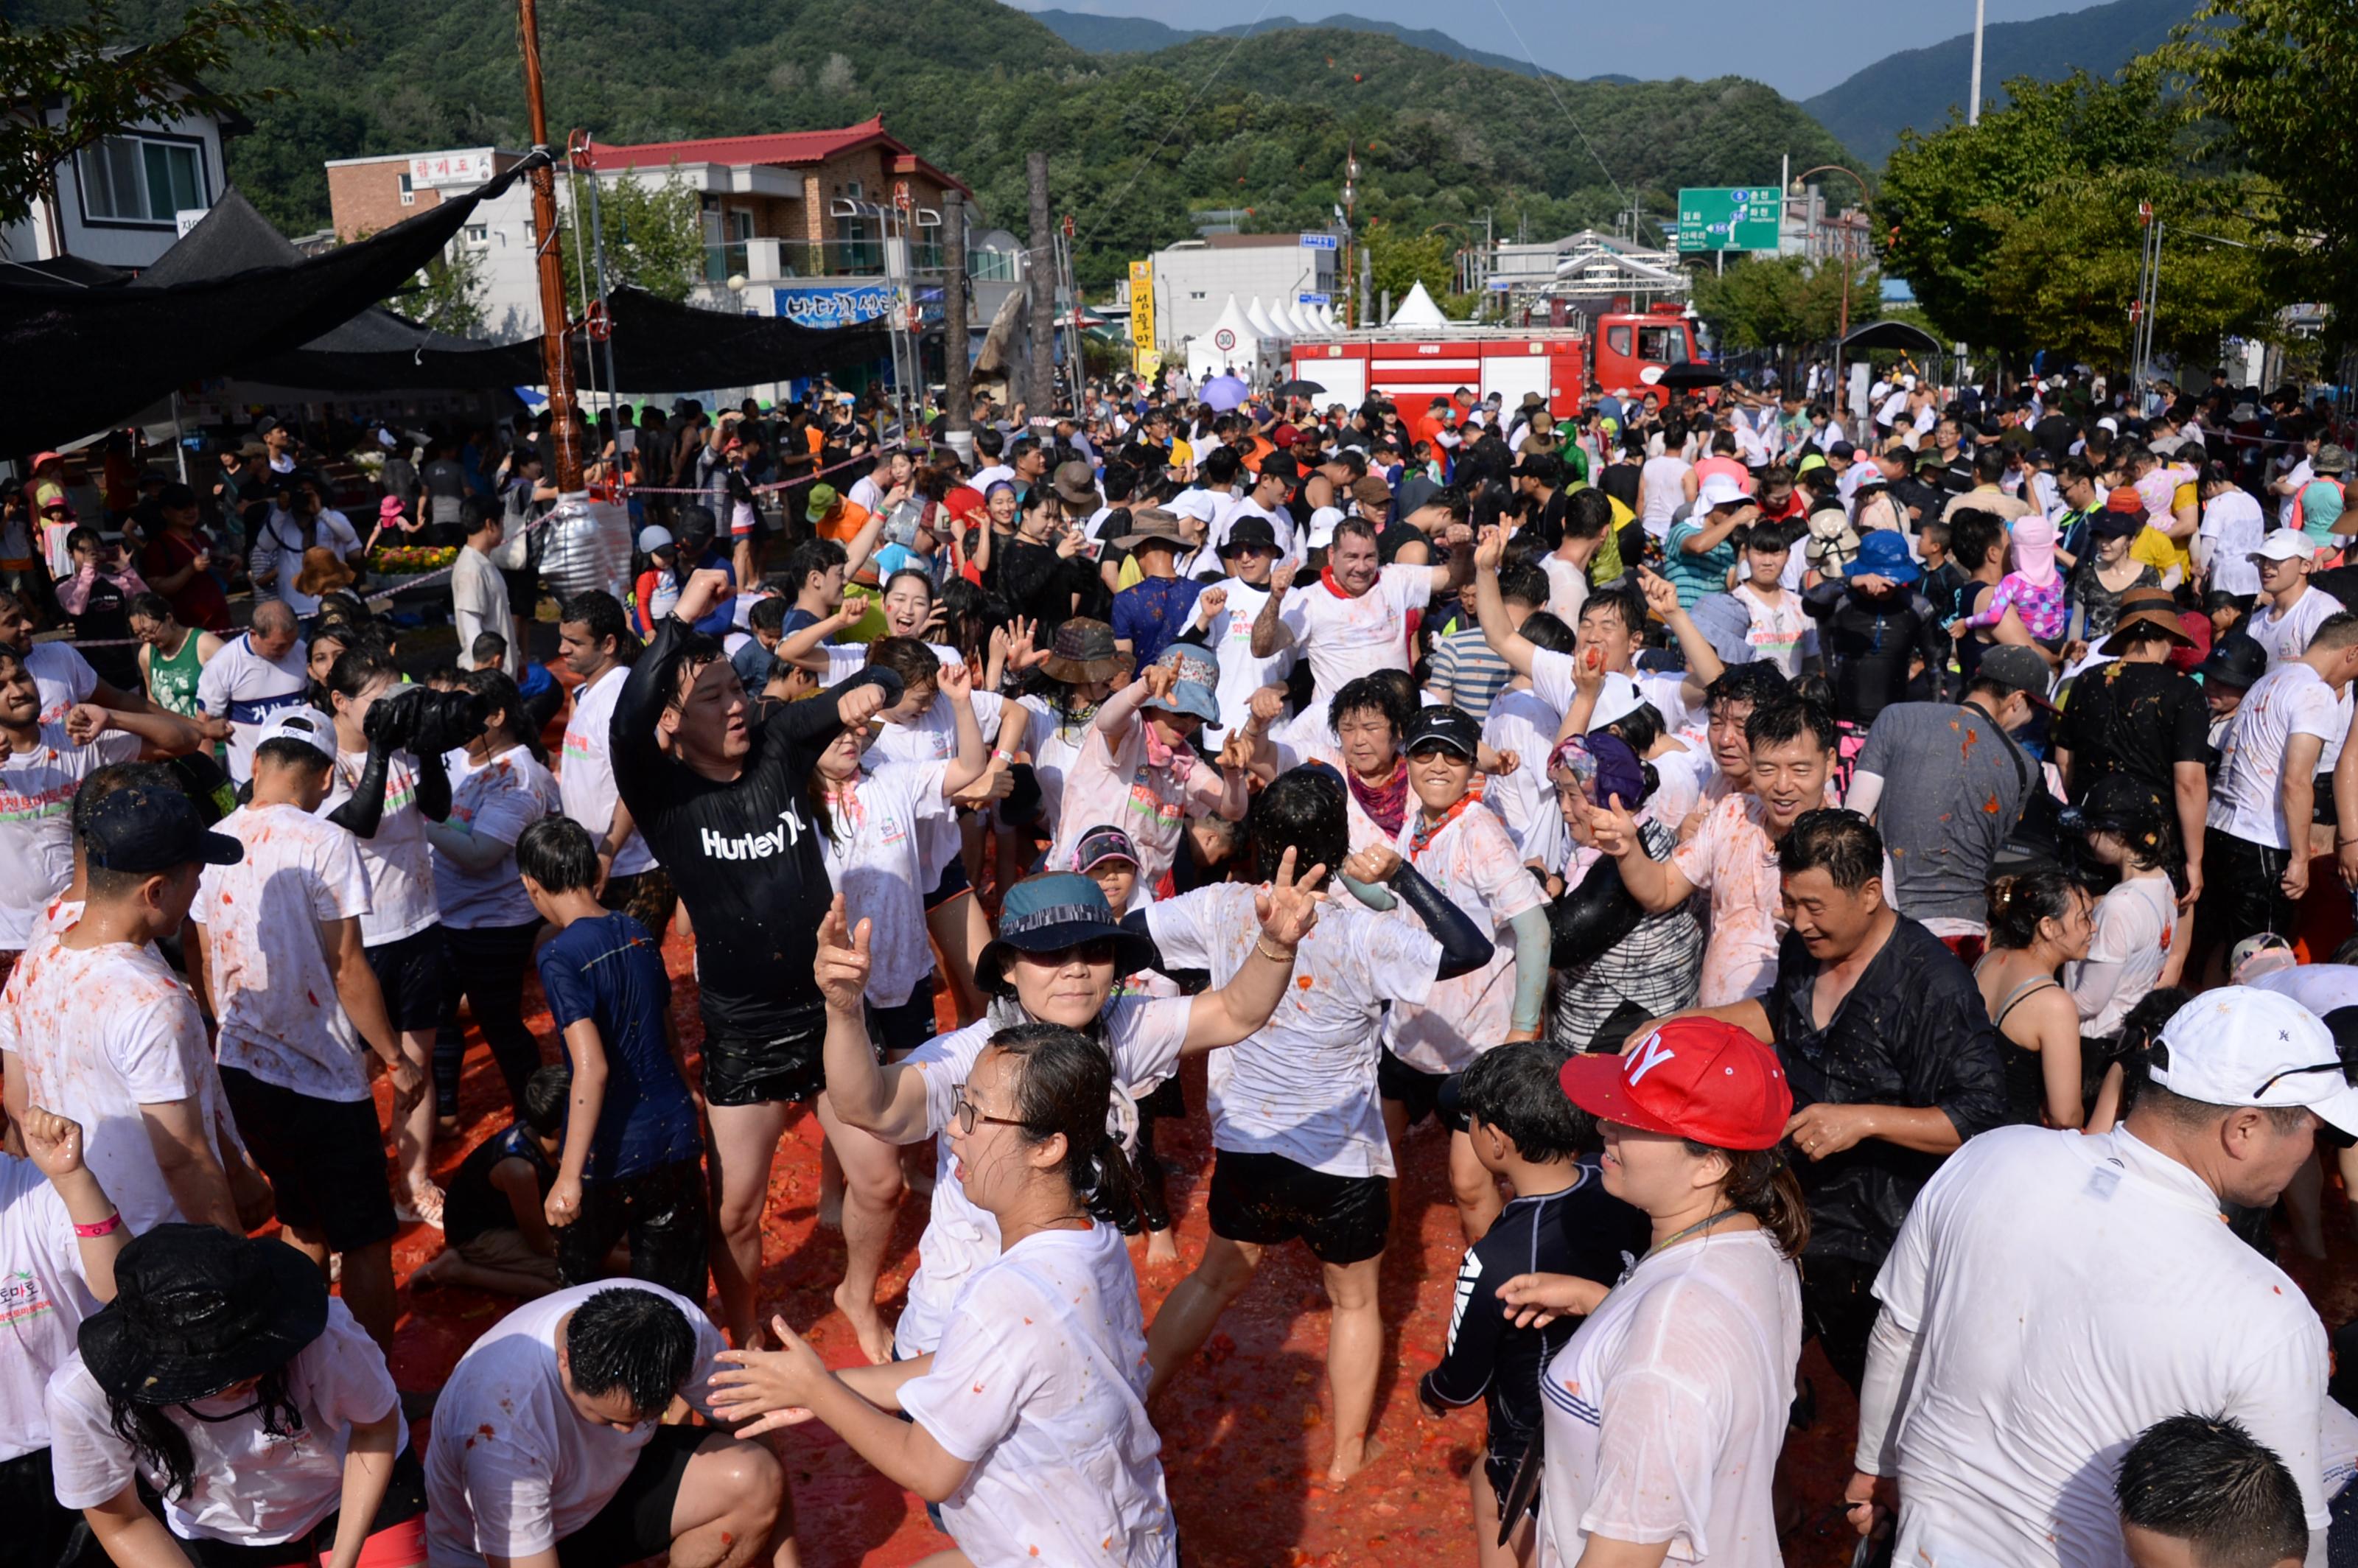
1875 882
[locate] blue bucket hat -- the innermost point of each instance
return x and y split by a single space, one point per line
1883 552
1050 914
1199 674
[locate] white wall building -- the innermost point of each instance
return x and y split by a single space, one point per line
1194 279
123 202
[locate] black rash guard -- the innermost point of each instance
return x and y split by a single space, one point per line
744 854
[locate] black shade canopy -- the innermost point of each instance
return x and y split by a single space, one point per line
1899 335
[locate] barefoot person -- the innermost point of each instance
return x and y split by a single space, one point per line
725 808
1027 1424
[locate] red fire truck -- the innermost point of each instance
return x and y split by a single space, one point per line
1629 352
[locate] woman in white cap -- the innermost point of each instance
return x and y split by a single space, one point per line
1665 1412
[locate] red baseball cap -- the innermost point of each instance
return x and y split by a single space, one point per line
1691 1077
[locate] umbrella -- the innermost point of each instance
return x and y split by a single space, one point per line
1223 393
1299 389
1692 374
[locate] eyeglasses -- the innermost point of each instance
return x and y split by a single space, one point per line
2333 1066
968 1114
1100 951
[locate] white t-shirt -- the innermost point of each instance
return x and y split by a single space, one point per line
585 781
1567 588
62 675
1304 1084
2233 523
2320 988
2137 922
1663 485
398 861
932 737
43 1299
1664 1412
2297 479
1551 678
479 603
873 857
1053 743
1281 524
247 1487
1523 723
36 794
1346 638
266 958
1039 1382
1229 636
1144 1038
98 1035
498 800
2066 1292
2291 700
2285 635
1472 863
249 690
1732 859
529 1470
1782 634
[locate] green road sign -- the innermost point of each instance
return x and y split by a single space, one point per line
1737 218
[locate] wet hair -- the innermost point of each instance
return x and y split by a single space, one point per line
631 1340
1761 1184
600 614
149 607
550 1090
2207 1481
1066 1086
1371 693
2018 903
1973 535
1523 583
1783 723
1843 844
488 648
163 1448
1306 810
559 853
907 657
1514 1088
286 751
1641 728
1543 629
768 614
356 668
500 696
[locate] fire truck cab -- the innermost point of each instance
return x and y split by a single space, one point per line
1624 353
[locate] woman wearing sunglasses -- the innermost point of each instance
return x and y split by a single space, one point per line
1056 961
1027 1422
1665 1412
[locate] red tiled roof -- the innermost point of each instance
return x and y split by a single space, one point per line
788 148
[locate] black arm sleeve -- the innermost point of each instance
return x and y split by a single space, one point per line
433 788
1590 920
363 810
630 735
812 723
1463 947
1472 1359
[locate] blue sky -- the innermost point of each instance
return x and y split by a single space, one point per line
1800 47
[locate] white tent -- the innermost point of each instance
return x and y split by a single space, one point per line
1417 313
1231 344
1304 321
1257 318
1326 320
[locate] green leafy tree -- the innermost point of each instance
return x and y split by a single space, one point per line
1779 301
448 294
2269 79
1397 263
104 81
653 235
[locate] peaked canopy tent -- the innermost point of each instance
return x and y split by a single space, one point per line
107 350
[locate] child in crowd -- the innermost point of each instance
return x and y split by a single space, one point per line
1107 856
495 1234
1782 633
634 1149
657 588
1561 1221
2034 590
542 696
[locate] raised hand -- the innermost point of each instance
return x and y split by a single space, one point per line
862 703
1268 704
1280 577
957 681
1288 908
842 970
769 1388
1615 830
85 721
1160 679
52 1143
1020 652
1661 594
1490 552
1374 864
1210 602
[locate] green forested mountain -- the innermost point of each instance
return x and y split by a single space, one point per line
1136 143
1143 35
1917 89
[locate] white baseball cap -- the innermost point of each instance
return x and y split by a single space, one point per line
1616 699
1200 504
2284 545
2240 1046
1719 490
314 729
1322 527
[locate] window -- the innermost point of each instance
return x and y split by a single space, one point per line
1664 345
408 192
141 179
479 237
1618 340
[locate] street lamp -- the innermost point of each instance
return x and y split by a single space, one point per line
1844 330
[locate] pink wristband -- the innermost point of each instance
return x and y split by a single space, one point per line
107 1227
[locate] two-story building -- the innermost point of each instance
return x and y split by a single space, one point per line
125 200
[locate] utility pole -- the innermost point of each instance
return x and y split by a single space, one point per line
1350 233
957 373
1974 110
1040 279
556 330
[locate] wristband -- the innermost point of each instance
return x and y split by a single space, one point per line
107 1227
1260 944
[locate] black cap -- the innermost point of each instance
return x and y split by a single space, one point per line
1444 726
142 830
2236 659
1249 532
1544 467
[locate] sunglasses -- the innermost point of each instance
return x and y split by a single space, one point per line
2333 1066
1100 951
969 1114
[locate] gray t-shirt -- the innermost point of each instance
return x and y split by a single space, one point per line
1953 788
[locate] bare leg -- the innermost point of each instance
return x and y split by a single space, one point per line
412 1135
1473 1188
367 1287
953 928
744 1143
732 1509
1487 1553
1353 1345
871 1192
1195 1306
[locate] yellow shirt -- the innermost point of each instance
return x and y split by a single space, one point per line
2160 552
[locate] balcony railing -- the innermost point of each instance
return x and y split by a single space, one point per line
841 258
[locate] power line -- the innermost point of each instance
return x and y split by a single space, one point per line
1547 80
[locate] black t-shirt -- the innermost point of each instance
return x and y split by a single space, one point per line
1870 643
2134 719
2055 432
744 854
1621 482
106 618
471 1205
1583 1231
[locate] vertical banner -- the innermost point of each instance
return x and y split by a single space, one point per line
1141 317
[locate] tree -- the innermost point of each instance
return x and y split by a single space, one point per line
653 237
448 294
1777 301
2265 75
1397 263
105 84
